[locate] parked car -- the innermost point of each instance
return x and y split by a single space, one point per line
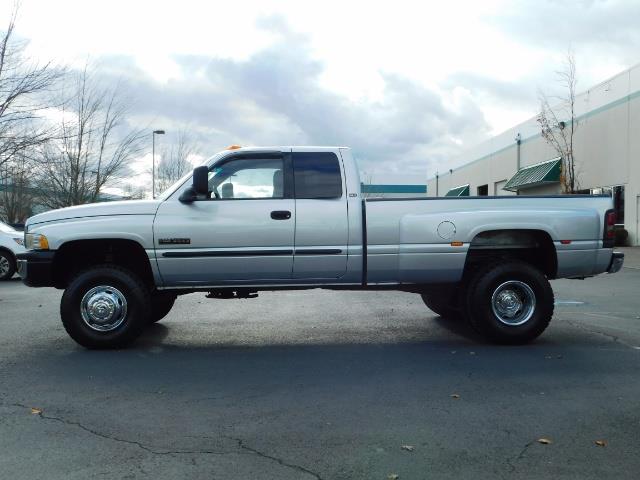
11 244
255 219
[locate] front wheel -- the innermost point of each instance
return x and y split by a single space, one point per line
105 307
161 305
509 303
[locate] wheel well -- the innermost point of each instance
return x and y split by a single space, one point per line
78 255
531 246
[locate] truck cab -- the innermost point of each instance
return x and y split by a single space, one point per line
273 216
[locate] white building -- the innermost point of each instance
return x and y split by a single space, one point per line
606 150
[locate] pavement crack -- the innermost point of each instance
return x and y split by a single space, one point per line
140 445
613 338
299 468
524 450
240 443
512 462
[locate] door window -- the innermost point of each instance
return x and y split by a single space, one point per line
317 175
248 179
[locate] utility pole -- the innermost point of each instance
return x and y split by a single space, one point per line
153 161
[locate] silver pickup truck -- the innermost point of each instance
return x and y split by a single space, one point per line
255 219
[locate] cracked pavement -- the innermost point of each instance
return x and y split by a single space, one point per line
323 385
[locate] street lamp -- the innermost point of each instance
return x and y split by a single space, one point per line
153 161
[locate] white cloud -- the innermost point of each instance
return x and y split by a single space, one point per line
407 83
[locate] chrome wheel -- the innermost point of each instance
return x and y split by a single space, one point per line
103 308
513 303
4 265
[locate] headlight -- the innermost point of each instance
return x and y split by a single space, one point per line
36 241
19 241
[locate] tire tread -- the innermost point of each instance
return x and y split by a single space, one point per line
134 330
479 323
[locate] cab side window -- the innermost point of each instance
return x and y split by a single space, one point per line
317 175
248 179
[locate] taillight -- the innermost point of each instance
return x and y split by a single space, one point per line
609 229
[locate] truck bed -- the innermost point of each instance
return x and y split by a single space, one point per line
432 236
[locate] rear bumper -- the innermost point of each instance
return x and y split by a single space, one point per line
36 268
617 259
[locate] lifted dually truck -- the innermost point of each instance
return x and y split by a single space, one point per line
255 219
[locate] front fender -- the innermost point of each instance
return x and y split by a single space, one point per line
138 228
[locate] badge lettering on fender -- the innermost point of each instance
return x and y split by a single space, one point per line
174 241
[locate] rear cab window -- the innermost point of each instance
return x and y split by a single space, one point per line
317 175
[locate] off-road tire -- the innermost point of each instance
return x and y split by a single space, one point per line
161 305
138 307
478 302
444 308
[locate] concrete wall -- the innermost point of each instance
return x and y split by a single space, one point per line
607 149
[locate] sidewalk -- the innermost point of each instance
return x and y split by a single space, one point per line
631 256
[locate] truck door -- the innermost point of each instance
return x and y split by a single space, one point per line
243 231
322 229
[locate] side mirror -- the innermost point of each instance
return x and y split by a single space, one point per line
200 185
188 196
201 180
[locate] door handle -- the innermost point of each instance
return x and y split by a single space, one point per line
281 214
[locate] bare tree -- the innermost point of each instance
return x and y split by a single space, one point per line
22 84
16 196
558 123
133 192
94 146
174 161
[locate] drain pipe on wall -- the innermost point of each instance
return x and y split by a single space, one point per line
518 142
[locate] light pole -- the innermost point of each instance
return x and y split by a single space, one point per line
153 161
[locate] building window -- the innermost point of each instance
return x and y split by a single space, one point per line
483 190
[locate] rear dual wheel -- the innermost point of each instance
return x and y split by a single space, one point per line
509 303
445 307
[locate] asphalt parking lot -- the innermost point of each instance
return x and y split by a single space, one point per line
324 385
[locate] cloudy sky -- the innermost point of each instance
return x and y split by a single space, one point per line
408 85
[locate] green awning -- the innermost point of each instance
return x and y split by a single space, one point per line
535 175
461 191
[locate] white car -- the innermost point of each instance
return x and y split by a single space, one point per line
11 243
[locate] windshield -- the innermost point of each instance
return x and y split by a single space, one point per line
167 193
